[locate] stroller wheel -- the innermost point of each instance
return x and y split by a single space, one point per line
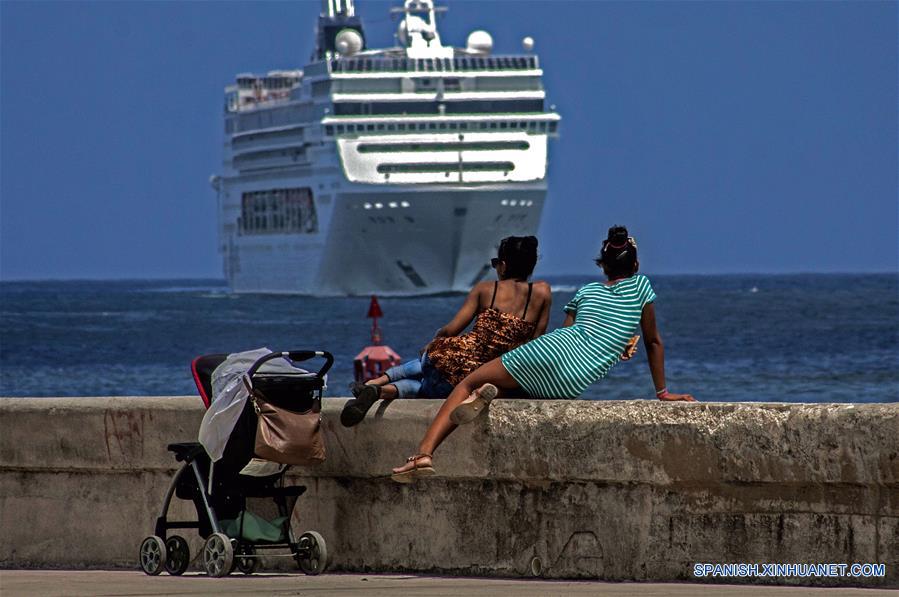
178 555
152 555
312 553
218 555
245 564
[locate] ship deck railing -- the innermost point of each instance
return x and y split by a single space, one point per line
433 65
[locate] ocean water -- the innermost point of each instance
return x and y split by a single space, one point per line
795 338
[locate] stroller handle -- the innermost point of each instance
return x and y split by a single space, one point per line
295 356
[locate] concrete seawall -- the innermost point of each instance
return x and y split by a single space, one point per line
630 490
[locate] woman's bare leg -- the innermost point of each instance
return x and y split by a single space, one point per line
492 372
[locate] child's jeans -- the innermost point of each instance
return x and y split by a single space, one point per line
406 378
418 378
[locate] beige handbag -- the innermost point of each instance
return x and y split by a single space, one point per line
287 436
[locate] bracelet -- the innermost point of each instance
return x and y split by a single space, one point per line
663 393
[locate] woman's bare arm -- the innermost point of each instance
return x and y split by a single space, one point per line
652 342
543 318
655 353
464 316
569 320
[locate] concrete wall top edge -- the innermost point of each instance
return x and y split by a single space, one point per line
40 403
523 440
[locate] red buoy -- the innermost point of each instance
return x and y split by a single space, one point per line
375 359
374 310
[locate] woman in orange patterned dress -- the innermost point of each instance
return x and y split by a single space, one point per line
506 313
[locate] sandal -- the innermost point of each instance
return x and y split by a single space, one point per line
354 410
412 470
474 405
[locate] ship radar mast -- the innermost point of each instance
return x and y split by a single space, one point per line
333 8
339 31
417 32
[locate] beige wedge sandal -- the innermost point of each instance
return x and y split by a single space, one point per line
474 405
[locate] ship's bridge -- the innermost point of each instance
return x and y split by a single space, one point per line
468 118
424 112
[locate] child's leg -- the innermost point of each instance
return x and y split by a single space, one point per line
408 370
392 383
402 388
401 381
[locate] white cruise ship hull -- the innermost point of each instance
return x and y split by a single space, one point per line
418 242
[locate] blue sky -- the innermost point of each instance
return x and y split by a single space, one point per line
729 136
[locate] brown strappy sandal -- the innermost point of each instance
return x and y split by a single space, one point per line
411 471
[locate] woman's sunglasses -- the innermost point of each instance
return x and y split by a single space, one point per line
495 261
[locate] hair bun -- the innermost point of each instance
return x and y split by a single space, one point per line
529 241
617 235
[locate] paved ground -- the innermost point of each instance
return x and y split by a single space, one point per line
101 583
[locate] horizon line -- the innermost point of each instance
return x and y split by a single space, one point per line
560 275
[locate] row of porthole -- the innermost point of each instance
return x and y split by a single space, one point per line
515 202
390 204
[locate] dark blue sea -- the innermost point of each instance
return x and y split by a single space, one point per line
785 338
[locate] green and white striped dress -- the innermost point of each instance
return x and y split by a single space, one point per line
562 363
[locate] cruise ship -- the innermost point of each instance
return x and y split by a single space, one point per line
393 171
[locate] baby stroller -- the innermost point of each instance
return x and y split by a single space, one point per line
239 515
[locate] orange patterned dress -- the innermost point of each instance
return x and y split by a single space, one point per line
494 333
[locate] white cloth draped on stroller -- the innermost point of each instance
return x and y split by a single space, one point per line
229 395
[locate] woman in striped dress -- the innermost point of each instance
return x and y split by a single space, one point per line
601 318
